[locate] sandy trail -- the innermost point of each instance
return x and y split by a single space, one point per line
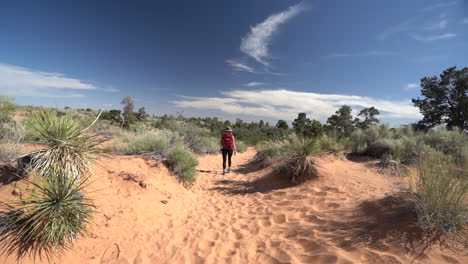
246 216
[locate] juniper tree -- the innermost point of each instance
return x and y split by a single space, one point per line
445 100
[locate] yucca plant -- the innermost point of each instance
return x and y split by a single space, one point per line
72 149
300 164
51 215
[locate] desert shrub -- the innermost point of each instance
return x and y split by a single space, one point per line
11 135
7 108
133 143
330 144
184 163
198 139
71 148
405 144
53 214
241 146
364 138
440 193
204 144
450 142
267 152
104 128
144 142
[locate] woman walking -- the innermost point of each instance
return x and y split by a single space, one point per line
228 148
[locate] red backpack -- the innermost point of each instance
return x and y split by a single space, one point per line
227 140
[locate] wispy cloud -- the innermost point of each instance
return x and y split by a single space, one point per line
256 43
439 5
239 66
439 25
411 86
404 26
465 21
21 81
361 54
433 37
285 104
254 84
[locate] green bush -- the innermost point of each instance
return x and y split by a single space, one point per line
405 145
49 219
450 142
184 163
133 143
441 192
329 144
241 146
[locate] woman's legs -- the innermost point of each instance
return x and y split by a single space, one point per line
225 153
229 157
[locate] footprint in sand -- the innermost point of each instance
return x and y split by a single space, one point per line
279 219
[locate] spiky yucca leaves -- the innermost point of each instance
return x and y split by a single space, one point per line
71 148
300 164
52 215
441 194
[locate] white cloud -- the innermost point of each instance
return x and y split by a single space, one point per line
256 43
286 104
240 66
21 81
465 21
253 84
411 86
434 37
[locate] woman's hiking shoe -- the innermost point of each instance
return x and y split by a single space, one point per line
224 171
228 170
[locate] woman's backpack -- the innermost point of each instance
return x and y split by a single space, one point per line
227 140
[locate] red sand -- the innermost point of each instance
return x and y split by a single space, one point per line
247 216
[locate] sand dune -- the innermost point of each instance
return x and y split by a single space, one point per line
247 216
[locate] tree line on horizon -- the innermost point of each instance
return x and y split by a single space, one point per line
444 102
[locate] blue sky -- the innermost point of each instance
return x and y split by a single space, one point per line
249 59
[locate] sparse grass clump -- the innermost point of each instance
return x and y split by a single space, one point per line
51 216
184 162
72 149
441 197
